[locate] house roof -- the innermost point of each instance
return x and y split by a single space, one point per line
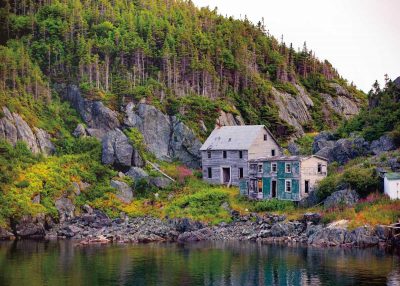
287 158
233 137
392 176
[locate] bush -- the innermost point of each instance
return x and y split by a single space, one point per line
364 181
273 205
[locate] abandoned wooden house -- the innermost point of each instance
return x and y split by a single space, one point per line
226 152
283 177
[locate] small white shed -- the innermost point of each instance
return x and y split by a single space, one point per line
392 185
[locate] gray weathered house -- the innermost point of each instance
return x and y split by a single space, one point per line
226 152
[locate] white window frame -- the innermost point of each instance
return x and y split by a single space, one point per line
259 168
241 168
276 167
290 185
290 168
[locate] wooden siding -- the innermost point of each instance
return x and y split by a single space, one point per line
309 172
217 162
261 148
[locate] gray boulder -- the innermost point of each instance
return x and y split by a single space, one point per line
160 182
65 209
322 140
341 198
31 227
137 173
116 149
330 237
25 133
282 229
124 192
6 235
342 150
383 144
44 141
80 131
364 237
311 200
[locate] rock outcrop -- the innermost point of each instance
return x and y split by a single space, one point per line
341 150
296 109
341 198
65 208
345 149
14 128
228 119
99 118
165 136
116 149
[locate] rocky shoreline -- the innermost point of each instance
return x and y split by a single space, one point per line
94 227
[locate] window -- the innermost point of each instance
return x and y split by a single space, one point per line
260 168
288 168
224 154
274 167
265 137
288 186
241 154
209 154
241 173
273 152
319 168
209 171
260 185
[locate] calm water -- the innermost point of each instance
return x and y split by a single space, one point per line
38 263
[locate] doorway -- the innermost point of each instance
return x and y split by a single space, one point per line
273 189
226 175
306 186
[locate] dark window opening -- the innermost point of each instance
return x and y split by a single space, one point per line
209 154
241 154
209 170
265 137
241 174
274 167
260 168
273 152
319 168
224 154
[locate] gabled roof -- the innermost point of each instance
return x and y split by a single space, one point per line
233 137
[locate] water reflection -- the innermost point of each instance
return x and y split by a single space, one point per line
38 263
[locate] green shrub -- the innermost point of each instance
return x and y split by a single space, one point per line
327 186
273 205
286 87
362 180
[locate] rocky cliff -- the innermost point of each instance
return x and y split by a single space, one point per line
165 136
14 128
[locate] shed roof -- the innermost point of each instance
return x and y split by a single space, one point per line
392 176
233 137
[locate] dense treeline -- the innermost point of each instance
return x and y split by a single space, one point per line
160 49
381 116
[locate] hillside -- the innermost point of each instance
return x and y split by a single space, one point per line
184 60
90 93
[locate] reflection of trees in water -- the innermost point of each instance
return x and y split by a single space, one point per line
236 263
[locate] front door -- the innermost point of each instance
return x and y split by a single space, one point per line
306 187
273 189
260 189
226 175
